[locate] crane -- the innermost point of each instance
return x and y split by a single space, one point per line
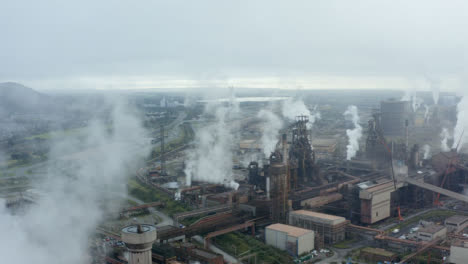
450 169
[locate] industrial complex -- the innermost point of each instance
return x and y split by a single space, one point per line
312 196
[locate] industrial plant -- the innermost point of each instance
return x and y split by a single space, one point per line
305 183
316 178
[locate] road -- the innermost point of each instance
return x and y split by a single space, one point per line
172 130
165 219
227 258
406 218
340 254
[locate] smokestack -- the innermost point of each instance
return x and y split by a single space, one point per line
267 187
284 143
406 131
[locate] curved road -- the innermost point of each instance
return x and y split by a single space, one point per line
165 219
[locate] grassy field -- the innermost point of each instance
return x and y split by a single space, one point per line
345 243
238 245
57 134
148 195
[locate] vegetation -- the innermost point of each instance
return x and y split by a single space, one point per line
131 202
57 134
190 220
14 181
354 254
148 195
345 243
238 244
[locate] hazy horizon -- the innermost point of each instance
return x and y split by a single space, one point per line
263 44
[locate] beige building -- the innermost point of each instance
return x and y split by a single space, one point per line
324 147
432 232
456 222
375 201
330 228
295 240
459 252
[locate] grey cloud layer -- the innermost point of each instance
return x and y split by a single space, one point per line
202 39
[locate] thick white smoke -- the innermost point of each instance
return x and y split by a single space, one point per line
211 160
56 229
354 134
426 152
460 133
445 136
271 127
291 108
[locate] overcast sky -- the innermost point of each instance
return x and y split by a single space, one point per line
265 43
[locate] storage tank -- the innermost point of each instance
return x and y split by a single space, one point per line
394 116
139 240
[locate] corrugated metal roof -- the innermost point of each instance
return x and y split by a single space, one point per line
319 215
290 230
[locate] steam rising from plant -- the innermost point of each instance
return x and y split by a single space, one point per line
271 127
291 108
460 134
435 89
211 160
416 102
56 229
426 113
445 135
354 134
426 152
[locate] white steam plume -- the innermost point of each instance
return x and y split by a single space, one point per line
416 102
271 127
353 134
249 157
435 89
460 133
407 96
426 113
445 136
211 160
56 229
291 108
426 152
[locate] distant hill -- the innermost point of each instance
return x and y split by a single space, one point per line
17 98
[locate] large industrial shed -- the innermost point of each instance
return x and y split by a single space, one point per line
295 240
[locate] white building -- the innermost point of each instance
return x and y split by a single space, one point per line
429 233
456 222
459 252
295 240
